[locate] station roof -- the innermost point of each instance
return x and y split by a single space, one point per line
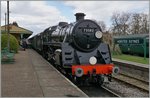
16 29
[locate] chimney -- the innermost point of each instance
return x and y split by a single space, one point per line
79 16
15 23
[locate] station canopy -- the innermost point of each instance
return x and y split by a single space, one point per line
14 28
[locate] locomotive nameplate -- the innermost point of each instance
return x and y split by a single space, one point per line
87 29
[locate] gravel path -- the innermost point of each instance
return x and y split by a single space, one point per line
125 90
135 82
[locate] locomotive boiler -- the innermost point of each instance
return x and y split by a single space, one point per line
77 49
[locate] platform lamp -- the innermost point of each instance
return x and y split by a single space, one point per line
8 43
5 21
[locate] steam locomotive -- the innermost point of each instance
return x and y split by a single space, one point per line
77 48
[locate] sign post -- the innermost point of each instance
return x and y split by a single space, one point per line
144 48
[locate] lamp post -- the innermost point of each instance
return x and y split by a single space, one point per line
8 25
5 21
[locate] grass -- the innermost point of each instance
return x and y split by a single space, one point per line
132 58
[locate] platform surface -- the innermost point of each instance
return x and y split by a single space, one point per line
131 63
32 76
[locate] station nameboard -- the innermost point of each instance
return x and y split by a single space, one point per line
129 41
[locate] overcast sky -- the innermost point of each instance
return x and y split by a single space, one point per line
38 15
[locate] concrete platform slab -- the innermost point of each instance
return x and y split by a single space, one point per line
19 79
65 91
33 76
48 75
54 82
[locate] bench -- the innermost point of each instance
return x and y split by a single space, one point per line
6 56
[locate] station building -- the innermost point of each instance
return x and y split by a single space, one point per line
17 31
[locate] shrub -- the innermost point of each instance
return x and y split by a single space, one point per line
14 45
116 50
108 38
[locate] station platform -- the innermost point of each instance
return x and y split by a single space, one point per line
131 63
135 70
33 76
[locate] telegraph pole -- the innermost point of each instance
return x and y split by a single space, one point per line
5 22
8 25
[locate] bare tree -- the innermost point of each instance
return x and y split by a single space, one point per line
139 23
115 22
120 22
124 22
144 24
102 25
129 23
135 23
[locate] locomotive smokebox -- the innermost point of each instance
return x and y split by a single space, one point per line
79 16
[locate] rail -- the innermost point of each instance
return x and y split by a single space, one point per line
132 69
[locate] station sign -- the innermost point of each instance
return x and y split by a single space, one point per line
129 41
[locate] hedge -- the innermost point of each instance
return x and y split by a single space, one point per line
14 45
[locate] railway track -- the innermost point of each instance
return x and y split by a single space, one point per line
105 91
112 92
93 91
126 89
133 74
143 85
132 69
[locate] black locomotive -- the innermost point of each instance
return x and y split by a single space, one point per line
77 48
